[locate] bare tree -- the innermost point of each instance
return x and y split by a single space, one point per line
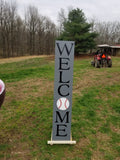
40 35
50 34
7 26
61 19
20 37
31 20
108 32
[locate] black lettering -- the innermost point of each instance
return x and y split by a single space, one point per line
64 63
59 90
61 128
61 79
62 118
65 46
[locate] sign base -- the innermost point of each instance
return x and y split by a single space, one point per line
61 142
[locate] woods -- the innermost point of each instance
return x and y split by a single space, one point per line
34 34
108 32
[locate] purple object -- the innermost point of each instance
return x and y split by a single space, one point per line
2 92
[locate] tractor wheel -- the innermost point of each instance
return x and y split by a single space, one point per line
104 63
110 63
92 63
97 64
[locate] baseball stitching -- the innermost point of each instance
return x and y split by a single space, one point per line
62 103
66 103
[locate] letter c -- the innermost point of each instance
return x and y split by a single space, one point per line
59 90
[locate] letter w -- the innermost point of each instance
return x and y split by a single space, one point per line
64 47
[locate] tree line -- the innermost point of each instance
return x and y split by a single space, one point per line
108 32
34 34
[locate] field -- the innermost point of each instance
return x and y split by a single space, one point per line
26 115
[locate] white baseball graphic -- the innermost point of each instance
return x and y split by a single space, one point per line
63 103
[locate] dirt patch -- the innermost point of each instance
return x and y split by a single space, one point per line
102 137
17 59
29 88
83 143
78 149
47 57
83 56
97 155
93 78
102 143
20 151
114 129
50 58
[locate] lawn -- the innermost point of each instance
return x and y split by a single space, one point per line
26 115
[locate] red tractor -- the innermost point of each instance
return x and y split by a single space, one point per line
102 58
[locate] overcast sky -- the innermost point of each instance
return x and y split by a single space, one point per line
105 10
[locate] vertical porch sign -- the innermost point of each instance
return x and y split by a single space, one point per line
62 107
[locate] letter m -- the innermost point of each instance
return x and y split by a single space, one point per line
61 50
58 116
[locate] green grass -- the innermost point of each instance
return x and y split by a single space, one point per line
26 115
34 68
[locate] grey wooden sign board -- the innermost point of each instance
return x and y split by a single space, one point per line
62 107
